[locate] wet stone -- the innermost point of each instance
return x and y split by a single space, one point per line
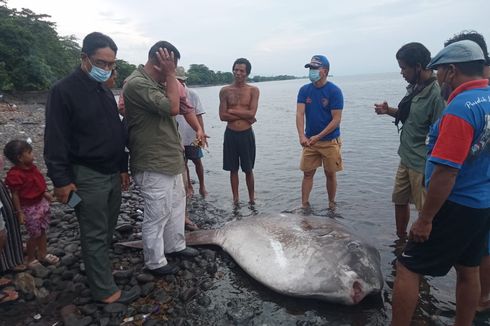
71 248
161 296
145 278
89 309
206 285
147 288
69 260
188 294
204 301
123 274
116 308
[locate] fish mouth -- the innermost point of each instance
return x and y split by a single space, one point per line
357 293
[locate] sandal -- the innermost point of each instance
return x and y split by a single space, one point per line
33 264
191 227
51 259
8 296
5 281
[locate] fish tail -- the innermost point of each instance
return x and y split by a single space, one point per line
203 237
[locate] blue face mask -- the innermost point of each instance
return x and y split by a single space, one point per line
314 75
99 74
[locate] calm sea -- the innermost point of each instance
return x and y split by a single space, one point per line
370 157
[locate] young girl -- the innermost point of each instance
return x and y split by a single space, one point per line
31 200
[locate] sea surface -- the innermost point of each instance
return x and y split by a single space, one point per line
369 151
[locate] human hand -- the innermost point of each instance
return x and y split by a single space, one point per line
48 196
305 142
3 239
420 230
201 139
62 193
166 62
381 108
313 140
21 217
124 181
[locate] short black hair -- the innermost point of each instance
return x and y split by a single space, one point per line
94 41
414 53
152 54
16 148
471 68
472 36
243 61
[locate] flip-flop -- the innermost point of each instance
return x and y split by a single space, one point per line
50 259
5 281
33 264
485 307
191 227
8 296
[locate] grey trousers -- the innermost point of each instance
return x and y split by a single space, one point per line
97 215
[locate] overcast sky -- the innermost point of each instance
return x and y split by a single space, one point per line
277 36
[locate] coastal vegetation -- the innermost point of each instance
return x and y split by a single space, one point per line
33 55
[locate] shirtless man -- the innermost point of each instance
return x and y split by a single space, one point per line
238 106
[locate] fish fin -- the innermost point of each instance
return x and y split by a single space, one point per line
203 237
138 244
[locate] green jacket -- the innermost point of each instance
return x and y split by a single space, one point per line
425 109
154 140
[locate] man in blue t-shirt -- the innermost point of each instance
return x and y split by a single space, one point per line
320 104
452 227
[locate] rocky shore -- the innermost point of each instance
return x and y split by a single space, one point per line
58 295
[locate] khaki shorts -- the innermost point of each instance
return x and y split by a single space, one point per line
326 153
409 187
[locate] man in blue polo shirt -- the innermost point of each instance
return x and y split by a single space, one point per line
320 104
452 227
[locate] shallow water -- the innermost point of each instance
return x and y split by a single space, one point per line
370 157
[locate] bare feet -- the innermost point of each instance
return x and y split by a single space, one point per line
113 298
203 192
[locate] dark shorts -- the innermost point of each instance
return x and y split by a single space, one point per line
192 152
458 237
239 150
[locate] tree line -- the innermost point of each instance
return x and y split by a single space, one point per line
33 56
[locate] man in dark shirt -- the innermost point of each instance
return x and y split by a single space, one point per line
84 150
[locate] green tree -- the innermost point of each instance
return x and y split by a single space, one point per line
124 69
32 55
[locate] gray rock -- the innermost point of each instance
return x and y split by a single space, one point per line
71 248
41 271
68 260
147 288
145 278
189 294
116 308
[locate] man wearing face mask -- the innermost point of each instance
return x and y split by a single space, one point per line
418 110
453 224
320 105
84 145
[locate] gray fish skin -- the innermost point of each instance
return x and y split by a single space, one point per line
302 256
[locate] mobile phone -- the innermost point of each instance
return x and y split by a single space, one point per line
73 199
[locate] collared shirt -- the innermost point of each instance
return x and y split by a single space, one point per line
154 141
83 128
460 139
425 109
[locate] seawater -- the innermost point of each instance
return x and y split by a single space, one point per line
369 151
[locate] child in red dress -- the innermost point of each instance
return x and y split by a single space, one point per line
31 200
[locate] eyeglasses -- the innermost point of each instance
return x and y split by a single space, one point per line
103 64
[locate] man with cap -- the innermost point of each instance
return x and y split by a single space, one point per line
192 151
320 105
485 263
454 222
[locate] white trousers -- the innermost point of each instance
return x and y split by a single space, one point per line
163 219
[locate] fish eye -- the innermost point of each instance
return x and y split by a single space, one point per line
353 245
